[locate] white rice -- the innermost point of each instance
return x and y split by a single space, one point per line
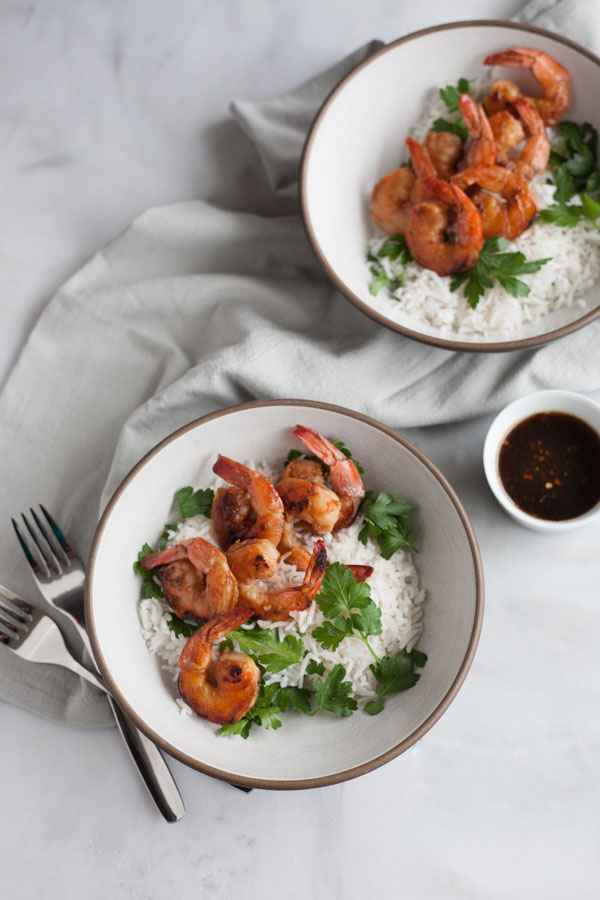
394 588
426 296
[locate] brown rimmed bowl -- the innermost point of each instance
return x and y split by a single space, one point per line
306 751
358 136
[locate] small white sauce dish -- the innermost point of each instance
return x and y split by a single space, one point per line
542 401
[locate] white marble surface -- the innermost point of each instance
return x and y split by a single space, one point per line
108 108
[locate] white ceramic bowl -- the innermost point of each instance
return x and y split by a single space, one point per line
304 752
505 421
358 136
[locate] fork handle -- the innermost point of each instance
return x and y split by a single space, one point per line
151 765
150 762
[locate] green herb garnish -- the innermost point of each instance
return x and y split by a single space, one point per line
270 652
194 503
352 613
395 248
164 538
151 588
457 128
451 95
180 627
337 442
332 693
495 264
395 674
387 521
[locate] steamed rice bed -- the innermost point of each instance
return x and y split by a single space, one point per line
573 269
394 588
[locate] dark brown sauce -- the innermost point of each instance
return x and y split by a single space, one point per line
549 465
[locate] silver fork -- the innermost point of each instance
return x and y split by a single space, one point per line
60 578
34 636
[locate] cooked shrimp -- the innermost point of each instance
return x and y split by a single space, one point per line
553 79
309 469
508 214
483 149
507 130
277 605
431 223
196 578
536 152
445 150
227 693
232 515
391 200
265 500
343 474
361 573
315 504
253 559
501 95
395 194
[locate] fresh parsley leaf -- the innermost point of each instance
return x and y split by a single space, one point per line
395 247
590 207
315 668
560 214
151 588
178 626
451 95
340 593
294 697
386 521
164 538
293 454
332 693
271 653
380 280
457 128
242 728
194 503
395 674
494 263
331 634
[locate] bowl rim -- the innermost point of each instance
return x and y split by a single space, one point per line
433 340
345 774
545 400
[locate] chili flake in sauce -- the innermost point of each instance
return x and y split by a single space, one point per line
549 465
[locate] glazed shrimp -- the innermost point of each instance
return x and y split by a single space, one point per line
536 152
553 79
232 515
310 502
508 214
265 500
253 559
277 605
395 194
501 95
195 578
391 200
483 149
431 222
225 695
343 474
444 149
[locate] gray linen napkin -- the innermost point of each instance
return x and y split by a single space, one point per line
195 308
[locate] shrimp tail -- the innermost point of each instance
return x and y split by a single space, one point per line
315 572
361 573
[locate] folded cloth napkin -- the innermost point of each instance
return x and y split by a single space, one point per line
195 308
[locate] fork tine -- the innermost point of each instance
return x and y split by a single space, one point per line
33 561
21 612
14 600
53 542
58 533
